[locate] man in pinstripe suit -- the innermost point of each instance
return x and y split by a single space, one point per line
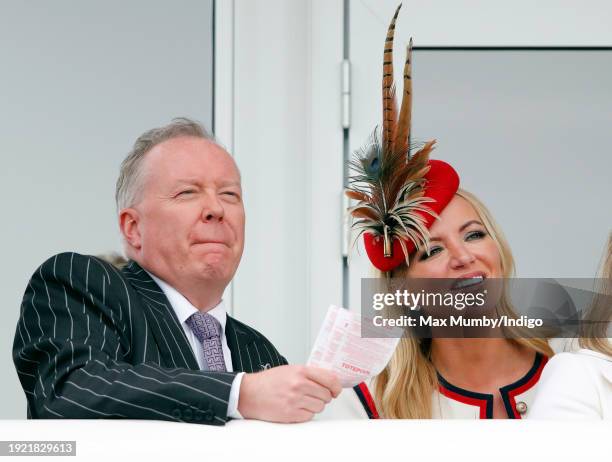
152 340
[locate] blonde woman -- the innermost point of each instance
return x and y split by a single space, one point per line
578 384
416 223
454 377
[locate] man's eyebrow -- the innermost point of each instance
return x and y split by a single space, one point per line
196 182
463 226
230 183
191 181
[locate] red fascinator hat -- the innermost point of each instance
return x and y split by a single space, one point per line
399 194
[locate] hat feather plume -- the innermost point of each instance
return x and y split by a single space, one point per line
387 181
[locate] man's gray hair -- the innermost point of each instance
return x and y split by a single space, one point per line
129 183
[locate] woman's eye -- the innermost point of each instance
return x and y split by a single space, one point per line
433 251
475 235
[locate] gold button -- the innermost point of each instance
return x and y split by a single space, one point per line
521 407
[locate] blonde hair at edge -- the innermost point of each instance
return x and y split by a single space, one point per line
595 334
404 389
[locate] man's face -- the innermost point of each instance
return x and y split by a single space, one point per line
191 215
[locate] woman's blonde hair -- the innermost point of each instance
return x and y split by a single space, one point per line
404 389
595 336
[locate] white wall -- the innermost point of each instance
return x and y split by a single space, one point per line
288 143
270 126
496 23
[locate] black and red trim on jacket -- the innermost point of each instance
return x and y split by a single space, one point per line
510 392
483 400
365 398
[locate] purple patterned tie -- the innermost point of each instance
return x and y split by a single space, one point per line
208 331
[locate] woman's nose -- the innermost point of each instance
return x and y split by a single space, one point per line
461 256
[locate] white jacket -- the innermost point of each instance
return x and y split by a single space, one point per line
449 401
576 385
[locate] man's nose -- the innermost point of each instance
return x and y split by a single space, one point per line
212 208
461 256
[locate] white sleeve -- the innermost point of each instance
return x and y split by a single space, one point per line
232 405
566 390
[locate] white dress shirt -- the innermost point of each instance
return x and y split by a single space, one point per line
183 310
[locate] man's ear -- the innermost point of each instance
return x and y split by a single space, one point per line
129 220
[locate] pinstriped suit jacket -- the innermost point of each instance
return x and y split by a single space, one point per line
96 342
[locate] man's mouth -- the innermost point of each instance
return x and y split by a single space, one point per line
468 281
221 243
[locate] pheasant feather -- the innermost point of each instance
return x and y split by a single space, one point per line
387 181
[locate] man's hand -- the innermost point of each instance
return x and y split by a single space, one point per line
287 393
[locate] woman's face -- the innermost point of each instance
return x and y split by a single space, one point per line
460 247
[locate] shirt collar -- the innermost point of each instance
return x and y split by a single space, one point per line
183 307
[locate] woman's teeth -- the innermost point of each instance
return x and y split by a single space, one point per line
466 282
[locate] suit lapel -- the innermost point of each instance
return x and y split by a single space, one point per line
174 347
241 343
